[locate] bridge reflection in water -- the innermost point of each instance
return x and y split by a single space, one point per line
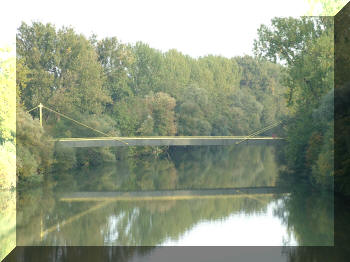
98 202
171 194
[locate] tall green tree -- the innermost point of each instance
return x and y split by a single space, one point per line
117 62
147 70
283 40
306 48
63 69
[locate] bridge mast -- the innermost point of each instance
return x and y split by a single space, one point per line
41 114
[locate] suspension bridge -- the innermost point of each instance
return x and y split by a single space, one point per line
111 141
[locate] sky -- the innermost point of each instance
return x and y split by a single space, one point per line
193 27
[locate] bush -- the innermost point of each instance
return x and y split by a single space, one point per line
7 165
34 151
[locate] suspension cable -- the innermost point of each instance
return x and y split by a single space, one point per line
79 123
32 109
260 131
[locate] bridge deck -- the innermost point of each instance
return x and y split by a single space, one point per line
160 141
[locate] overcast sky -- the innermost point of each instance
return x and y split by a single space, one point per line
194 27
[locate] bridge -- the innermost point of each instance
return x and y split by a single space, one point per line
160 141
110 141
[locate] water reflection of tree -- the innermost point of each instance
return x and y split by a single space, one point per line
148 222
309 216
240 166
32 204
126 222
7 222
187 167
339 252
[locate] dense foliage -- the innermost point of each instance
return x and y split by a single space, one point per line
34 152
342 102
135 90
306 47
7 120
7 152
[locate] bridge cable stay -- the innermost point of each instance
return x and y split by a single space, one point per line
79 123
265 129
32 109
260 131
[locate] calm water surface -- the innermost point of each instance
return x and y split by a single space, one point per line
227 196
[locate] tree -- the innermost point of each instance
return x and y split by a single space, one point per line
161 108
306 47
328 7
312 73
7 97
33 151
147 70
286 37
193 112
7 119
117 61
62 69
176 73
342 101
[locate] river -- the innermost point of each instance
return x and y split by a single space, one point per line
194 196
